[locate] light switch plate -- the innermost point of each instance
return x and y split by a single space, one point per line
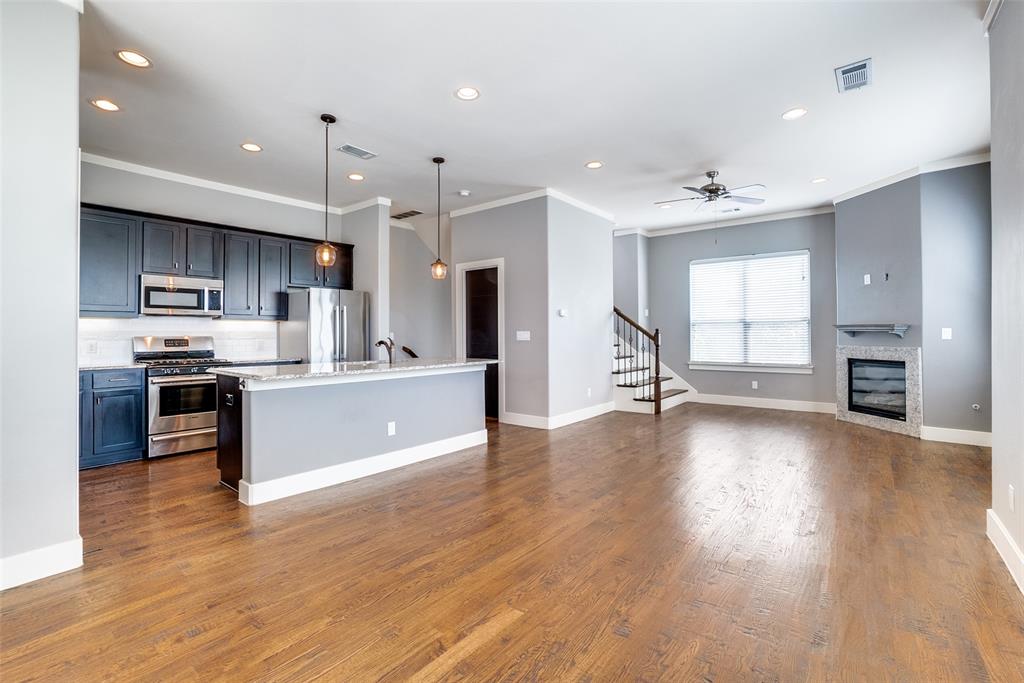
867 278
947 332
391 428
522 335
753 384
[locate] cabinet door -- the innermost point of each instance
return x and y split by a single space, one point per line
163 248
303 270
204 251
340 274
84 415
109 264
240 275
273 279
118 420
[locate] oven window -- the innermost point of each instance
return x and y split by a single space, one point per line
158 297
187 399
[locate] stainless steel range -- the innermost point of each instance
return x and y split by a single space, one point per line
182 395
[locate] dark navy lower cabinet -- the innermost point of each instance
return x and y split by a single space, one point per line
112 417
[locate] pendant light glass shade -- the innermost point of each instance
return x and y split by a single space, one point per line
326 254
438 269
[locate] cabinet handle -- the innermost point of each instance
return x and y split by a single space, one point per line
190 266
117 379
248 308
175 265
97 400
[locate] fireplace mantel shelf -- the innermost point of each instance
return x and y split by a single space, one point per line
899 329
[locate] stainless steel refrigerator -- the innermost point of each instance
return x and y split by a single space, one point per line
326 326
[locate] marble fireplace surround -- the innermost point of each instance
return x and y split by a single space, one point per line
911 356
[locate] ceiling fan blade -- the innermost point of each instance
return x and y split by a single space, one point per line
699 191
673 201
746 200
757 187
700 206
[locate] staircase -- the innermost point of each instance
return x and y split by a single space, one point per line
636 363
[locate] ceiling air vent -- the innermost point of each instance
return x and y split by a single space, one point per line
357 151
853 76
407 214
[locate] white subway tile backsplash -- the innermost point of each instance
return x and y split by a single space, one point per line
109 340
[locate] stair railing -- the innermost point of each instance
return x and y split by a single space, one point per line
641 344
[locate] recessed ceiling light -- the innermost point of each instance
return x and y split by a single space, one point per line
134 58
794 113
105 105
593 164
356 176
819 180
467 93
666 206
464 193
251 147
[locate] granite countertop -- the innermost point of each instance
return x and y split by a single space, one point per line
111 366
271 373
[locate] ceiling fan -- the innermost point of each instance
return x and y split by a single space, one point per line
712 192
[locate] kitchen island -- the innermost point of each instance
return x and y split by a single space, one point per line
284 430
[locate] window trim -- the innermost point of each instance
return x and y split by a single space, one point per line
781 368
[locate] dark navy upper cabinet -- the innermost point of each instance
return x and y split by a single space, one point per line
112 419
303 270
273 288
340 274
163 247
241 275
204 252
109 264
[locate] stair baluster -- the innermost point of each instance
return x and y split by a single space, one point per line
641 349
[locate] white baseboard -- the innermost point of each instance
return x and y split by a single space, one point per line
41 562
771 403
556 421
964 436
282 487
1006 547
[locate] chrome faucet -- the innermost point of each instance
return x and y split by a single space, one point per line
388 344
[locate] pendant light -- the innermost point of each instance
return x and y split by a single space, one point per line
438 269
326 254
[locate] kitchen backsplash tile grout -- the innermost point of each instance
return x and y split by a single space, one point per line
109 340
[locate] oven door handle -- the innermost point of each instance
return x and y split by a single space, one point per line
160 381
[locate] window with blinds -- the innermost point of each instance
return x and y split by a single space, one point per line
751 310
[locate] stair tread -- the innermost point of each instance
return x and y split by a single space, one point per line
645 382
668 393
627 370
628 355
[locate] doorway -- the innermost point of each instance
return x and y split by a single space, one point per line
482 333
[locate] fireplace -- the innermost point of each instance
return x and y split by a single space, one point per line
877 387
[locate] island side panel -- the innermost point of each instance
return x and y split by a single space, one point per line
297 430
229 430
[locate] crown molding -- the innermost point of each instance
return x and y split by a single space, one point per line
534 194
991 14
931 167
763 218
160 174
77 5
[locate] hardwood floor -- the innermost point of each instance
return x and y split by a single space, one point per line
710 544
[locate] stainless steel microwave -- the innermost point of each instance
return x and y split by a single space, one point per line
173 295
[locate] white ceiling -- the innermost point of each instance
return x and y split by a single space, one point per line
658 92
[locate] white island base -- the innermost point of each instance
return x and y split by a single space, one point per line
285 430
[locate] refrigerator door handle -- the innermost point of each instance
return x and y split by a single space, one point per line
335 324
344 331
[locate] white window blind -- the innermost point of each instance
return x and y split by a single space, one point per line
751 310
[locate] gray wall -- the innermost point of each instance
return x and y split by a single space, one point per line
517 233
39 400
579 345
643 280
669 276
1007 71
421 307
956 286
369 230
877 233
626 276
360 411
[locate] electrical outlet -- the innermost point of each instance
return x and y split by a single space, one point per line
947 333
92 347
753 384
867 278
522 335
391 428
647 312
1010 498
588 392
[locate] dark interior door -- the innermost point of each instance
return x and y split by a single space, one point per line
482 328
